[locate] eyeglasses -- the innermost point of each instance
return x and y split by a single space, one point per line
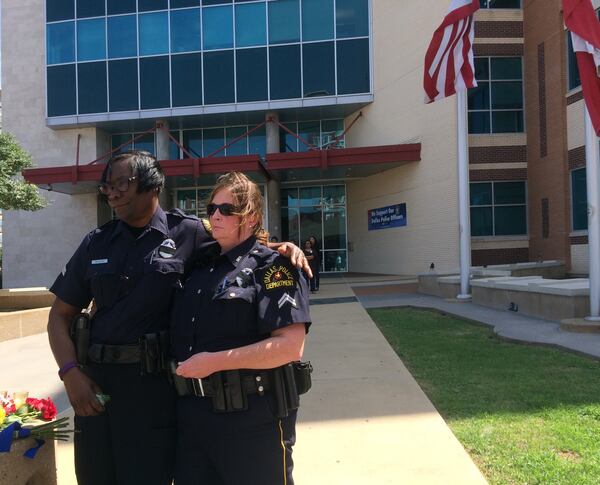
225 209
122 185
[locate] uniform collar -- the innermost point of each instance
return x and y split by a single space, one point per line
157 222
236 254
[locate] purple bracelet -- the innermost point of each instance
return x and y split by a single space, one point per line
66 368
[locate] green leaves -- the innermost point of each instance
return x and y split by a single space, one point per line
15 193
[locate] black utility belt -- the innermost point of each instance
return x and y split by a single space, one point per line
150 353
229 390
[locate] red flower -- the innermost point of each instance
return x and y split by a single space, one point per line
9 408
48 409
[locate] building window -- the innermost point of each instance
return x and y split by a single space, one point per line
89 8
185 30
496 104
317 20
91 40
579 199
59 10
60 43
284 21
498 209
351 18
500 3
217 28
122 36
250 25
574 79
154 33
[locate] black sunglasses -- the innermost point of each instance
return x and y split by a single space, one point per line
121 185
225 209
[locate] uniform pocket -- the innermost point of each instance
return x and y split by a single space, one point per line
165 266
237 294
104 283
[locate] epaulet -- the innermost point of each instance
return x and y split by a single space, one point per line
104 227
206 224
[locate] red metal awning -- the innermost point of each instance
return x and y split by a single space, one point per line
364 161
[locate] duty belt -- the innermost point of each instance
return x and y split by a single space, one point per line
251 383
114 354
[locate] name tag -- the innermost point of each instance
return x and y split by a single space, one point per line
99 261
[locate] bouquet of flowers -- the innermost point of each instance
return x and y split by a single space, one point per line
26 417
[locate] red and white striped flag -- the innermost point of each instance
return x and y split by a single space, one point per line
581 20
449 60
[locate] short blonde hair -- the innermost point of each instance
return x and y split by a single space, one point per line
246 197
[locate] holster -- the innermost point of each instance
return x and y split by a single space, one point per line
80 335
229 394
153 353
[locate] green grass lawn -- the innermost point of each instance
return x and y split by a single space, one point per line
526 414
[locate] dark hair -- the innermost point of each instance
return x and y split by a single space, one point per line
144 166
316 241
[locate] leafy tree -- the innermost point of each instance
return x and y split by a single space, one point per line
15 193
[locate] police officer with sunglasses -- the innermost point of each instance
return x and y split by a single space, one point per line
130 268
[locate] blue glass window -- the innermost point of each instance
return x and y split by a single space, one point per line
251 74
217 27
218 77
123 85
90 8
309 131
353 74
287 142
319 69
118 140
317 19
122 36
257 141
240 146
60 42
184 3
115 7
574 79
91 79
215 2
154 33
250 25
173 147
192 142
61 90
284 21
352 18
185 30
154 82
145 142
147 5
59 10
284 71
213 139
91 40
186 72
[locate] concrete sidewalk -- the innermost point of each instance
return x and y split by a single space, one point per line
366 421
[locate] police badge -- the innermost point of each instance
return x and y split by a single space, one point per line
167 249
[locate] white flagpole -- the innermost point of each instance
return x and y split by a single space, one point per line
464 216
592 150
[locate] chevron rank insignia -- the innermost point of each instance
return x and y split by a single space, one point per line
286 298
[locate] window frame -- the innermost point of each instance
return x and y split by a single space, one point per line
493 205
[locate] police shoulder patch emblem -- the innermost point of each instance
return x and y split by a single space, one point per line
278 276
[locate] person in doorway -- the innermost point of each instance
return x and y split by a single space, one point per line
316 267
309 253
235 424
129 268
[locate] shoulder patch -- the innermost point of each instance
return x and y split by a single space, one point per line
278 276
207 226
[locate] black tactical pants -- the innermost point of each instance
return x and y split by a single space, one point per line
250 447
133 442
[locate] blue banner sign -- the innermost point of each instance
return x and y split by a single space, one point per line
386 217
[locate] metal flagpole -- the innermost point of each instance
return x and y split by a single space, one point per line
464 217
592 151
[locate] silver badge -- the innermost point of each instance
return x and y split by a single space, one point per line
167 249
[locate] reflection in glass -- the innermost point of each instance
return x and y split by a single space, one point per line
250 25
154 33
481 193
284 21
309 131
335 261
192 142
217 28
257 141
352 18
317 20
240 147
310 196
318 61
186 201
289 197
60 39
290 225
481 221
185 30
287 142
122 36
479 97
334 195
173 147
145 143
91 40
118 140
213 139
334 228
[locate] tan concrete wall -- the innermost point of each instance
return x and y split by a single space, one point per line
547 175
399 115
37 245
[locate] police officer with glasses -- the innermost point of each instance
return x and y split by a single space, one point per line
237 333
130 268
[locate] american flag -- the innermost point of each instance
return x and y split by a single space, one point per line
449 59
581 20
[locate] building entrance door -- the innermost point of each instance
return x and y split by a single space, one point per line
319 211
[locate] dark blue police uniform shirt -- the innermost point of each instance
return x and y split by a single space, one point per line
130 280
236 300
